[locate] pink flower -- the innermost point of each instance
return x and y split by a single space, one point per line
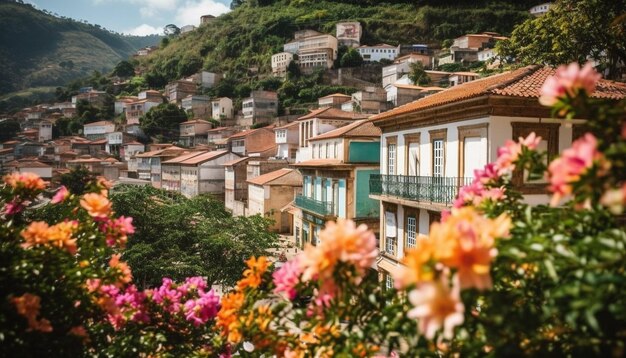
199 311
14 207
287 278
568 80
437 306
117 230
167 296
60 195
574 162
509 153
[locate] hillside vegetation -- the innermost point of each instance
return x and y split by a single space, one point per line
38 49
247 37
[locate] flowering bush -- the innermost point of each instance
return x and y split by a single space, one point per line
495 277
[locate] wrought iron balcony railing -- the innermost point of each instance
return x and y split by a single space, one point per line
441 190
319 207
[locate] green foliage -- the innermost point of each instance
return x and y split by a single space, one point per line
572 31
178 237
352 58
124 69
163 121
78 180
8 129
418 75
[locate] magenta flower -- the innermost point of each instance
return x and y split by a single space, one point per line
287 278
14 207
199 311
60 195
568 80
509 153
196 283
167 296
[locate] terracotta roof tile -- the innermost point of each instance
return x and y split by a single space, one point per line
337 95
332 113
100 123
361 128
182 158
319 163
288 125
236 161
269 177
204 157
523 82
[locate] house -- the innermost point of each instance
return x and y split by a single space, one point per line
370 100
313 58
465 48
218 137
206 19
44 131
149 163
151 96
349 33
414 48
334 100
540 9
205 79
280 62
29 148
187 28
402 66
486 54
119 106
258 142
336 180
112 169
175 91
314 49
458 78
236 186
31 166
136 109
146 51
170 171
269 193
98 130
318 122
222 108
113 144
401 94
94 165
260 107
375 53
204 174
130 149
431 147
194 132
94 98
287 141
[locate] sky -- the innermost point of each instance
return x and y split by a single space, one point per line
135 17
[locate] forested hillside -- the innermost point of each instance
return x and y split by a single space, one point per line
39 49
248 36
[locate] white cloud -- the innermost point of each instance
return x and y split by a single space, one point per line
143 30
189 12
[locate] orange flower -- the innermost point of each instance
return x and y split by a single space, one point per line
30 181
228 316
97 205
252 276
28 305
125 275
35 234
465 241
415 269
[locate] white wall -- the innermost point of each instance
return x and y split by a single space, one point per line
256 199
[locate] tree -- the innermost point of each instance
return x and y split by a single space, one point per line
572 31
124 69
352 58
77 180
293 70
8 129
176 237
418 75
171 30
163 121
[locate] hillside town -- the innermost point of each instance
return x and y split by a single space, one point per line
406 146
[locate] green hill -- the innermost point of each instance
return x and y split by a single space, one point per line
248 36
38 49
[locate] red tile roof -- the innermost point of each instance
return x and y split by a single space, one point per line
269 177
182 158
332 113
361 128
320 163
523 82
337 94
288 125
204 157
236 161
99 123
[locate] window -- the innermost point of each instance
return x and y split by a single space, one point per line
388 282
438 157
549 133
327 150
391 235
391 159
411 231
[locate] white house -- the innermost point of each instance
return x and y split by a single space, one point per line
378 52
269 193
280 62
222 108
540 9
204 174
431 147
45 131
458 78
170 171
98 130
287 141
131 149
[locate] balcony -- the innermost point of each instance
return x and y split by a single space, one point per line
441 190
319 207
